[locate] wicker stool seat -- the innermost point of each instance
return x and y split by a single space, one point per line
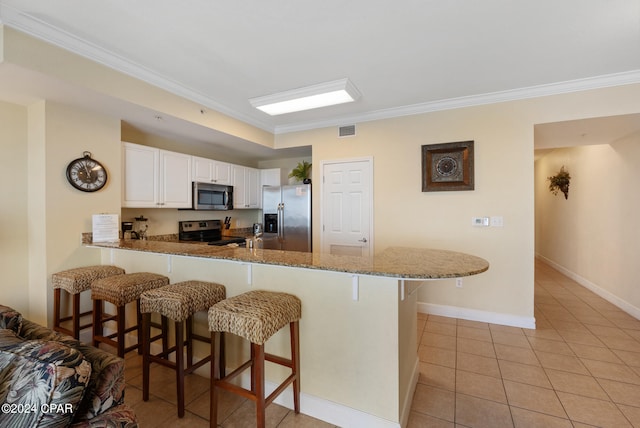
256 316
75 281
178 302
120 290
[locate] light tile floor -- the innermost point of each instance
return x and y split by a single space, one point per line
579 368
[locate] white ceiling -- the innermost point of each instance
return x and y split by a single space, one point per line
404 57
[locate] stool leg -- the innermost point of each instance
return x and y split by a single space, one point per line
180 367
222 360
139 325
294 329
120 326
164 322
189 340
97 321
253 368
258 363
146 351
56 308
75 316
215 374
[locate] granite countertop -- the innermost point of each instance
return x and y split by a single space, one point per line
400 262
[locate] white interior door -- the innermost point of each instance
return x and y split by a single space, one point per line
347 213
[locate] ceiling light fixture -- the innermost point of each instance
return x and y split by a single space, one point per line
307 98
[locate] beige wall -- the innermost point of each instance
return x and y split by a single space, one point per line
504 186
58 214
593 235
13 209
404 215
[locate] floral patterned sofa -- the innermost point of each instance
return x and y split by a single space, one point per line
48 379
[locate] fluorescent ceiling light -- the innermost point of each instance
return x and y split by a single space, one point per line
307 98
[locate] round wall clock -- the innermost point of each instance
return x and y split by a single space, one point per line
86 174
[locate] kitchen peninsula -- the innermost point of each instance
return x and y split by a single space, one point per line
358 332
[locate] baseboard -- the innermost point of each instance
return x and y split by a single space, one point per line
606 295
477 315
325 410
408 398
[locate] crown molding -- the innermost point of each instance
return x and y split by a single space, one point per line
604 81
39 29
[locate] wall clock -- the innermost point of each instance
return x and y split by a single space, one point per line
86 174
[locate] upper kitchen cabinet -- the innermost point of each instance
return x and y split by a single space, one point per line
271 177
211 171
154 178
246 187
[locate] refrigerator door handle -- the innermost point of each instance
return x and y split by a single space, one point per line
280 220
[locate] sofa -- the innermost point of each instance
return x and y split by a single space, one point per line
48 379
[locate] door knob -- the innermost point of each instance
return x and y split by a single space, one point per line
362 240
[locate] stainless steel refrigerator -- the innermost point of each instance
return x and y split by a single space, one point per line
287 217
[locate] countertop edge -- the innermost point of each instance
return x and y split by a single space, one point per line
402 263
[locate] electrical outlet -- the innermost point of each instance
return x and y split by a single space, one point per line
459 282
497 221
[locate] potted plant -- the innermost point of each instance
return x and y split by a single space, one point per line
301 172
560 182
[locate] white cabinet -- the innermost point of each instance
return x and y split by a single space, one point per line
211 171
246 187
271 177
154 178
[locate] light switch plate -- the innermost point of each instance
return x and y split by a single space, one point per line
480 221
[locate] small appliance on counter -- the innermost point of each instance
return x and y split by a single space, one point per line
257 229
127 227
209 231
140 228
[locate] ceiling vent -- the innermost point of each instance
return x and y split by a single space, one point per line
347 131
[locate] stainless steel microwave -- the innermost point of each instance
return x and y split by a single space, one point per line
207 196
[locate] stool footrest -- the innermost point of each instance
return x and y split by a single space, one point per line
201 338
246 393
236 372
70 317
278 360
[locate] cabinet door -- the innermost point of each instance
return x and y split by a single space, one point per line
270 177
140 176
221 172
253 188
202 169
246 188
239 183
175 178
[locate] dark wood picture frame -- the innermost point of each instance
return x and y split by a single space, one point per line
447 166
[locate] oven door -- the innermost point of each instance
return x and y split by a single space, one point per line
207 196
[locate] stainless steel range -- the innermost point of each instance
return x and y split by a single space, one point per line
209 231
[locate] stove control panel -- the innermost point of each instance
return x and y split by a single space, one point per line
199 225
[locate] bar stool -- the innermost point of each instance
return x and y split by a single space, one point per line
75 281
120 290
256 316
178 302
